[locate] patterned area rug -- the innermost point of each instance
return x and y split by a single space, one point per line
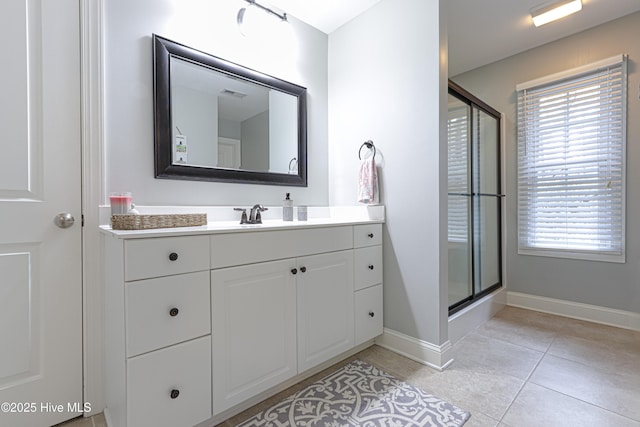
360 395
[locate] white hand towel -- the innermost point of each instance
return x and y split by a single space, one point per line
368 182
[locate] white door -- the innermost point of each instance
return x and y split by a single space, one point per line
228 153
40 263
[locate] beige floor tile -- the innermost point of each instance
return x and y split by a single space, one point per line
473 387
77 422
624 338
521 327
478 419
99 421
616 393
614 356
395 364
509 358
540 407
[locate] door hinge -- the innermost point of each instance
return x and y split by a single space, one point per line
82 220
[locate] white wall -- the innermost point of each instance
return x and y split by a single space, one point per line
283 137
597 283
210 26
192 113
387 83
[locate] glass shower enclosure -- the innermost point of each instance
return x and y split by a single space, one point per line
474 199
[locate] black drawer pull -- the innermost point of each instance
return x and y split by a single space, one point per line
175 393
174 312
173 256
294 271
370 235
372 314
371 267
303 269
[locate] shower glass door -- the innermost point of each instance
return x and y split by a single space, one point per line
474 199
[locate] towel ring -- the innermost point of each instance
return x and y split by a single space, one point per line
369 145
292 161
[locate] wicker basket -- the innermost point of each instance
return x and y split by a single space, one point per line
144 222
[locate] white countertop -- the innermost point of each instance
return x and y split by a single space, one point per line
318 217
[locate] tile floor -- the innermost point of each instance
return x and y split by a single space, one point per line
522 368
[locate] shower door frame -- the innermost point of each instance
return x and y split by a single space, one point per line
475 103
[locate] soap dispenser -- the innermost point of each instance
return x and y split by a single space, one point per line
287 208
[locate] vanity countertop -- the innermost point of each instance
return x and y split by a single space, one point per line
333 217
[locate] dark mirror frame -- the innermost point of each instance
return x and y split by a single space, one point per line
163 51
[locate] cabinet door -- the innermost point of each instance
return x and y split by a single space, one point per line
253 329
325 307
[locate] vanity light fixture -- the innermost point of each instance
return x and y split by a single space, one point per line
549 12
242 12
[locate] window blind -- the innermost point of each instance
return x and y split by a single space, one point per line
571 164
458 181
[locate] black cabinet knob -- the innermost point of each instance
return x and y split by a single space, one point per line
175 393
294 271
372 314
173 256
303 269
370 235
173 312
371 267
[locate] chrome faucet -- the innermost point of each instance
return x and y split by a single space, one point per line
254 216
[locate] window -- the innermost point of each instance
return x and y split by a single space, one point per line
571 163
458 137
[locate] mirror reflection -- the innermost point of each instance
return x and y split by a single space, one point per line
254 129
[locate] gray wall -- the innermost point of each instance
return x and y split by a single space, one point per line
387 84
210 26
254 146
599 283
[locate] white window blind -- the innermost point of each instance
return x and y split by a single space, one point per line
571 163
458 164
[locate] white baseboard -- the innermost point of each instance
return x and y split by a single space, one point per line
576 310
424 352
469 318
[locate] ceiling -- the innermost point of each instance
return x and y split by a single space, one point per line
480 31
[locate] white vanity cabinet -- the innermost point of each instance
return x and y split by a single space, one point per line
254 330
158 331
325 307
199 325
368 281
274 319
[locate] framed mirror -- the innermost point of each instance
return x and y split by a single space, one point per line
215 120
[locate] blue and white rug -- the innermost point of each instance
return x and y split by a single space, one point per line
360 395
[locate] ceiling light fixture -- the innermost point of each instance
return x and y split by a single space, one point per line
549 12
243 11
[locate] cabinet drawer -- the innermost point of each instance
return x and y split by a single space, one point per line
367 235
147 258
368 267
166 310
368 308
185 368
232 249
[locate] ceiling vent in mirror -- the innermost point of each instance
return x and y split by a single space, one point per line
229 92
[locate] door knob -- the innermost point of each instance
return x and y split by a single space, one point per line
64 220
